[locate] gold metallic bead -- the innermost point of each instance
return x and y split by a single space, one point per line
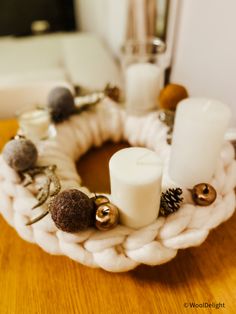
107 217
167 117
100 199
203 194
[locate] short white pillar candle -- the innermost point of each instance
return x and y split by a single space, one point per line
142 87
135 175
200 125
35 124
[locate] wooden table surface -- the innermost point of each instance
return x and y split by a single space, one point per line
32 281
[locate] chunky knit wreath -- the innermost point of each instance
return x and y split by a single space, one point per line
122 248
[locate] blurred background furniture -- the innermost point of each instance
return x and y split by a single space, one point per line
199 36
21 18
37 63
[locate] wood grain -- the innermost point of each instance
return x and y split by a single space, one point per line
32 281
8 129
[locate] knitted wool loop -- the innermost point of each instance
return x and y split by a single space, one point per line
122 248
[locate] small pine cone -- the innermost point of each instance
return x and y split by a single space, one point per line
170 201
113 92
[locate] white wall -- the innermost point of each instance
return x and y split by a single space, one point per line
205 51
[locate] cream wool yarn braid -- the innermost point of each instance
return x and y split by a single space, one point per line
122 248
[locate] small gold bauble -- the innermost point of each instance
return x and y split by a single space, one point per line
107 216
203 194
171 95
100 199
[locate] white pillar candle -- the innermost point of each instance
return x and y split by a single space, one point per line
198 135
135 175
35 124
142 87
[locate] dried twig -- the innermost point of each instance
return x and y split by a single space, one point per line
29 175
43 193
37 218
51 186
54 181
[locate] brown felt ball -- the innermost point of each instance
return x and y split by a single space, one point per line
72 211
171 95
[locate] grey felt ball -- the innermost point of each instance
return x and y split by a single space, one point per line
60 104
20 154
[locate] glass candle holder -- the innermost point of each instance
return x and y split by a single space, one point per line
35 124
135 51
143 77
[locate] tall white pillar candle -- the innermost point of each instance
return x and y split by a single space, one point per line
135 175
198 135
142 87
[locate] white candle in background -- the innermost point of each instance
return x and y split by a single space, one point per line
200 125
135 175
35 124
142 87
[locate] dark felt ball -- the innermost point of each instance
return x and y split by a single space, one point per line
72 211
20 154
60 104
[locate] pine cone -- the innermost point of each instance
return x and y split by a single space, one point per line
113 92
170 201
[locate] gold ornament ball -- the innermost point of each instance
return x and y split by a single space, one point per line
100 200
171 95
107 217
203 194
